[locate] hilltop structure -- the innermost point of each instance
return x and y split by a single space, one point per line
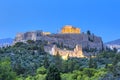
69 37
68 29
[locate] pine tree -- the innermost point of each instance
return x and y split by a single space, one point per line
92 63
58 61
46 61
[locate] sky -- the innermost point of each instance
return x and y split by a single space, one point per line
101 17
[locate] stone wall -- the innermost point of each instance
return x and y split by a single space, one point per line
77 52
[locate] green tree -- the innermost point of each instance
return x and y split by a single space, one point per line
116 70
89 72
116 59
18 44
91 65
19 69
6 72
46 61
70 65
53 73
41 70
30 41
58 61
64 66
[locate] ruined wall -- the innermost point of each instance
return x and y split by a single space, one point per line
77 52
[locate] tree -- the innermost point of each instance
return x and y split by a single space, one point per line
114 50
88 32
70 65
6 72
64 66
46 61
58 61
19 69
116 59
89 72
18 44
41 70
116 70
92 63
30 41
53 73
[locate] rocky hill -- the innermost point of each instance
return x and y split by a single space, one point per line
114 44
88 42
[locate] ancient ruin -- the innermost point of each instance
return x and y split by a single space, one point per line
77 52
68 29
89 43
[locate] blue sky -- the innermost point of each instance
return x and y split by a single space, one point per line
101 17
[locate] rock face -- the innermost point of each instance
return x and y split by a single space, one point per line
69 40
87 42
21 37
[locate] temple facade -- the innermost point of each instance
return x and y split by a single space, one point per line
68 29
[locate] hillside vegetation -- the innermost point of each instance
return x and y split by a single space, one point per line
29 61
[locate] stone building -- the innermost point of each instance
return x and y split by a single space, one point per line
65 54
68 29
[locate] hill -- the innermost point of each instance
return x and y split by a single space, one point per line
6 41
115 42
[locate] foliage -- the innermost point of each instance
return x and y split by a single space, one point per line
41 70
92 63
6 72
46 62
53 73
86 74
58 61
29 61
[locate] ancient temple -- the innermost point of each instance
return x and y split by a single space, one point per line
68 29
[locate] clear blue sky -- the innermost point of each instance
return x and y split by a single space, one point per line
101 17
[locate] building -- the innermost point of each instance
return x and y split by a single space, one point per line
68 29
65 54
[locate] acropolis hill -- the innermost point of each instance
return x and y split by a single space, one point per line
69 37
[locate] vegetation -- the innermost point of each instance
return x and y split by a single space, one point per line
88 32
29 61
53 73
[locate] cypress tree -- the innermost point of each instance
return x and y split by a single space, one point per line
53 73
